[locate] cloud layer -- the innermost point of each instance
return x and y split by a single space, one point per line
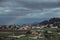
23 10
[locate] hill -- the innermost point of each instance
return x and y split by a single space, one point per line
54 21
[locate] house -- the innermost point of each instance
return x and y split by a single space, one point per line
33 27
54 27
25 28
51 25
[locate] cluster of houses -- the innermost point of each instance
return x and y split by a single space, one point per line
24 27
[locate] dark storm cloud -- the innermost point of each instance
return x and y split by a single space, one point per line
42 5
14 11
13 7
31 5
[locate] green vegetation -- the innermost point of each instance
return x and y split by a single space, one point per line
54 35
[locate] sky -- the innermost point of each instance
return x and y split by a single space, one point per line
28 11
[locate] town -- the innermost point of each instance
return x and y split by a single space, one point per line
44 30
25 27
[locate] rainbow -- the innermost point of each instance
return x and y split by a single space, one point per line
13 20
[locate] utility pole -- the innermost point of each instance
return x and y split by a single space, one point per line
13 32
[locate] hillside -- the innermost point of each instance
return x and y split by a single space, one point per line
54 21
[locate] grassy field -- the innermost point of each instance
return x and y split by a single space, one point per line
55 35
